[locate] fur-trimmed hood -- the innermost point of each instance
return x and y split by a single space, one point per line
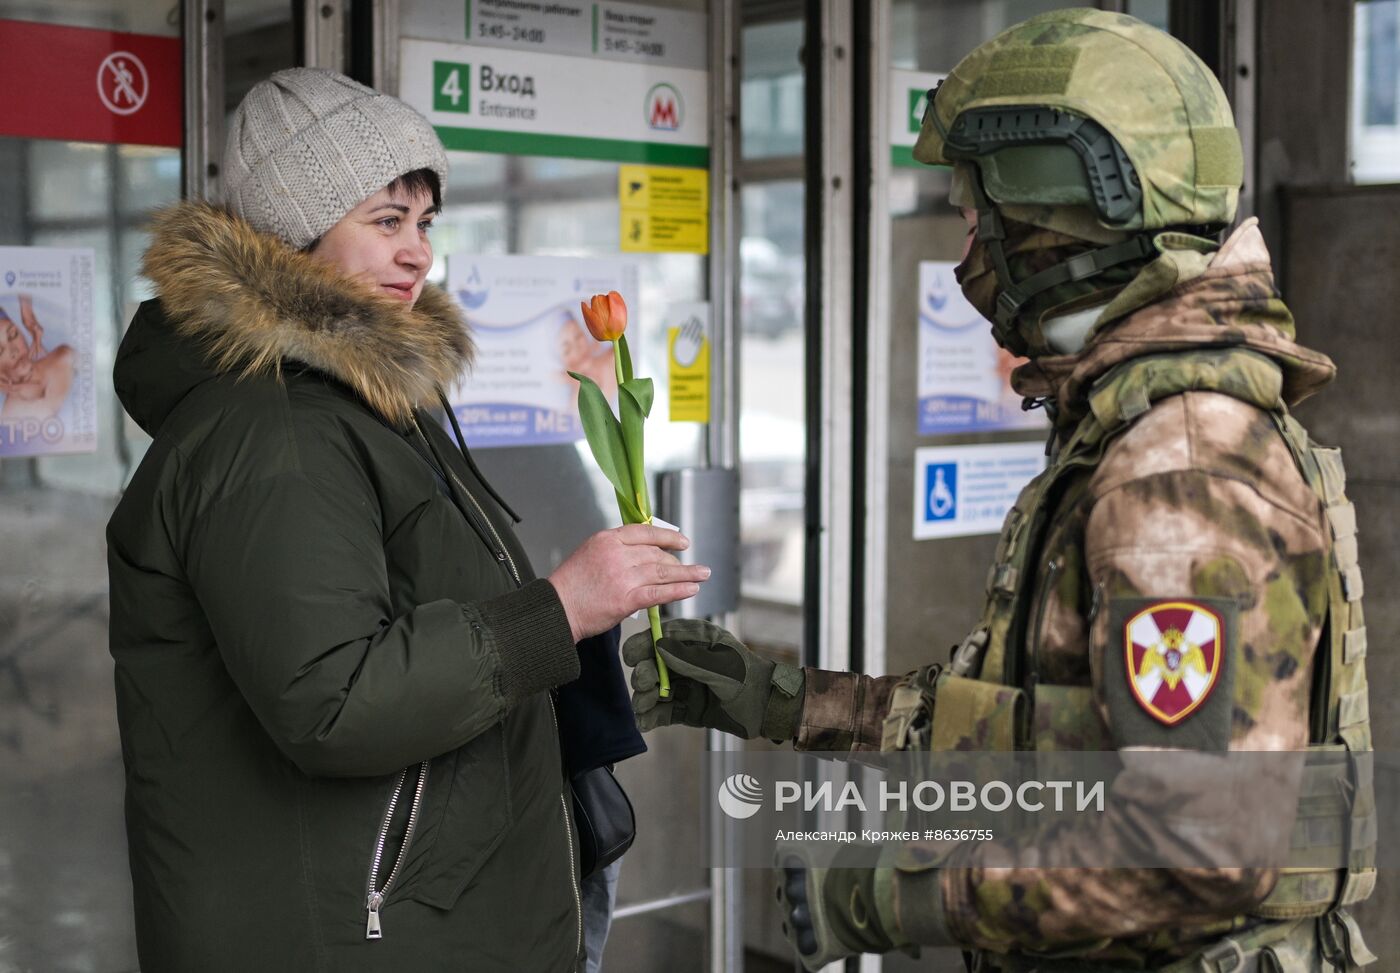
242 302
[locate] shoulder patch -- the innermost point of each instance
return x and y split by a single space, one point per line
1169 671
1173 654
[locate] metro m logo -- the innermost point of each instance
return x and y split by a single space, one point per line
664 108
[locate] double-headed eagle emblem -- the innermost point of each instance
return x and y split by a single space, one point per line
1173 653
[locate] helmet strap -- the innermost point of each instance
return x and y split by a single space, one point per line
991 232
1014 295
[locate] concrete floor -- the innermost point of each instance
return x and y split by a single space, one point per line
65 893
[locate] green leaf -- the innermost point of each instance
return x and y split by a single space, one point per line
628 508
604 435
624 355
634 442
643 391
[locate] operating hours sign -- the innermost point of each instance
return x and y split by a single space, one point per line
84 85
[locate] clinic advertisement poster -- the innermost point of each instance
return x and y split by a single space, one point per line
48 402
523 314
964 377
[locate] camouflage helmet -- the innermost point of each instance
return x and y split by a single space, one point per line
1139 130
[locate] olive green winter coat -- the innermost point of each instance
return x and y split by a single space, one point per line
315 603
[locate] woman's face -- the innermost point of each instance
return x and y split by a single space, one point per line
573 344
14 350
384 242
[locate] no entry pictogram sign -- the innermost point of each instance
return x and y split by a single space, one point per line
122 82
89 85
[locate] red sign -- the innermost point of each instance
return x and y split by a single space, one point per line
86 85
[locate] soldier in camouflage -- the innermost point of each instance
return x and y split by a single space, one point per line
1183 575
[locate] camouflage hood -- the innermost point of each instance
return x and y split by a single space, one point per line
1185 300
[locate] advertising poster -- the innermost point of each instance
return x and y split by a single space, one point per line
964 377
524 317
48 403
964 490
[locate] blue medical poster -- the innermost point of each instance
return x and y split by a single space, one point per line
964 378
524 317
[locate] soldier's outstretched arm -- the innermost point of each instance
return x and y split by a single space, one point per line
843 711
718 682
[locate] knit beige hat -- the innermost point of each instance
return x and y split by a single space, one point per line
308 145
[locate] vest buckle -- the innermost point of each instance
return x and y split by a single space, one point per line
1225 956
967 655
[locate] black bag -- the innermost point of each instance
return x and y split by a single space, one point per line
606 822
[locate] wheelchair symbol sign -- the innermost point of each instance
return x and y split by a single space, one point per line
122 83
941 500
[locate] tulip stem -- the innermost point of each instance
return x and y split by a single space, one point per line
644 505
662 674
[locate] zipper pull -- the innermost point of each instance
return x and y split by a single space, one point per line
372 928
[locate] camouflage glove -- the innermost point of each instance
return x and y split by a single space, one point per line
715 682
831 913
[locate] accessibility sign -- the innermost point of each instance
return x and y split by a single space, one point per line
964 490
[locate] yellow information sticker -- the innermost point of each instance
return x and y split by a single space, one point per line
688 361
647 231
664 209
664 187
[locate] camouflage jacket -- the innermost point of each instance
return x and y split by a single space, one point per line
1201 502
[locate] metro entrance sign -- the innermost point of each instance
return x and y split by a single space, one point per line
86 85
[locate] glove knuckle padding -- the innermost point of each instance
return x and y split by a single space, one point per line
645 676
654 716
637 649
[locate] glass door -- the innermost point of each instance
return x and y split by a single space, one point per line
556 121
90 143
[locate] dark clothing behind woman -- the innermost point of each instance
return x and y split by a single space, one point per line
595 711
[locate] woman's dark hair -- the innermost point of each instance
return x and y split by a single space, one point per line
414 183
418 182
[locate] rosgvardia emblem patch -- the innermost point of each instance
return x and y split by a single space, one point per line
1173 653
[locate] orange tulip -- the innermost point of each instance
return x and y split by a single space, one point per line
606 316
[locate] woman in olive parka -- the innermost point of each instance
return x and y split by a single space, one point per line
333 662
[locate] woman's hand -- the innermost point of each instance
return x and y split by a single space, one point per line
32 325
620 571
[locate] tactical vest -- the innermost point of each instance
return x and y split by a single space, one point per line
986 684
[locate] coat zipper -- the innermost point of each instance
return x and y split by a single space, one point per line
375 895
503 556
569 836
